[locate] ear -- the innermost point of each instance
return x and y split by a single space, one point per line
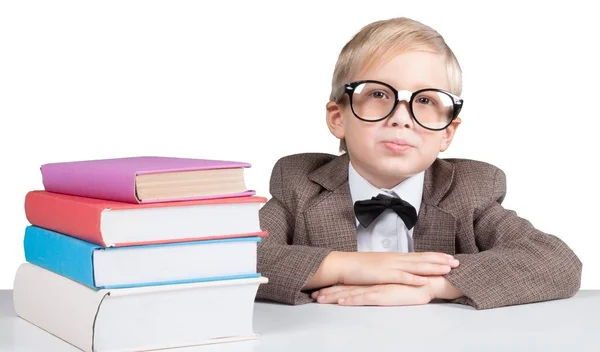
449 134
335 119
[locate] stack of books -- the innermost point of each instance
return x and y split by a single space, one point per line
141 253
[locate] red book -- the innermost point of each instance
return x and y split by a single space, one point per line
110 223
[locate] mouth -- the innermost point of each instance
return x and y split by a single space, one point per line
398 146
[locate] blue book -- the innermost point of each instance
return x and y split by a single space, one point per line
144 265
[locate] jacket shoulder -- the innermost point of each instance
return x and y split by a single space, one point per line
300 165
290 181
471 167
477 180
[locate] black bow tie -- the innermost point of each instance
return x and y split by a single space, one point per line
368 210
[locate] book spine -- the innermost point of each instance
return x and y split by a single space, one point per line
60 306
66 216
61 254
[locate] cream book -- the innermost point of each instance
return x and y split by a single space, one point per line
136 319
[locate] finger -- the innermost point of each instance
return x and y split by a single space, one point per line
393 276
381 297
429 257
334 297
420 268
329 290
363 299
333 289
435 259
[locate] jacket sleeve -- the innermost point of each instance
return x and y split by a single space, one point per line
287 266
517 263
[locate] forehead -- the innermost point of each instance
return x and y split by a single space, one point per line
411 70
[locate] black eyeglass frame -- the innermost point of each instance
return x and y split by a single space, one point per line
349 88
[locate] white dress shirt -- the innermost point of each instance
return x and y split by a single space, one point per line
387 233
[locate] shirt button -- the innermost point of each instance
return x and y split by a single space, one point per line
385 243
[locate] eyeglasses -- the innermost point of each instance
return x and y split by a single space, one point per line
372 101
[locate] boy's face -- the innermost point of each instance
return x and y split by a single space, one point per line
389 151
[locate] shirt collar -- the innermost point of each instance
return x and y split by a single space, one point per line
411 189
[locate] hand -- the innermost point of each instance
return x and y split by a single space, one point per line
369 268
390 294
376 295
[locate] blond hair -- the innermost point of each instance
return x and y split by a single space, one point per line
382 40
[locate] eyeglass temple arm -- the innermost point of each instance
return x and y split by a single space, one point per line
339 93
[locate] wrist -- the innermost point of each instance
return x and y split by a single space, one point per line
327 274
336 265
441 288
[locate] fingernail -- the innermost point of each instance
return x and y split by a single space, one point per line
455 262
450 256
320 298
341 300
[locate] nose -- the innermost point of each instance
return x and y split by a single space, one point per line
401 114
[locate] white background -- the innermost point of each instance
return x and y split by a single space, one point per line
249 81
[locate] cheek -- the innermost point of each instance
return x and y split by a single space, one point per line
360 133
430 142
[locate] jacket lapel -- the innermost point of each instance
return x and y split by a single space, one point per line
331 223
330 216
435 229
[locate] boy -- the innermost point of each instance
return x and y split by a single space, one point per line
388 222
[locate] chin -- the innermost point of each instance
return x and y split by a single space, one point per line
403 171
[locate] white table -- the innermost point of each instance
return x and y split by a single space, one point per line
562 325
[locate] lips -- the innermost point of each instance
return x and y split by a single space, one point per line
398 145
400 142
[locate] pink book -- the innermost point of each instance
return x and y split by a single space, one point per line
147 179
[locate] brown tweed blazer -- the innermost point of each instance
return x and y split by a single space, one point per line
504 260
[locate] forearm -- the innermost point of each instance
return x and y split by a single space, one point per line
515 262
534 268
288 268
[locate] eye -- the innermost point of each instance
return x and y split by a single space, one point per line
424 101
378 95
